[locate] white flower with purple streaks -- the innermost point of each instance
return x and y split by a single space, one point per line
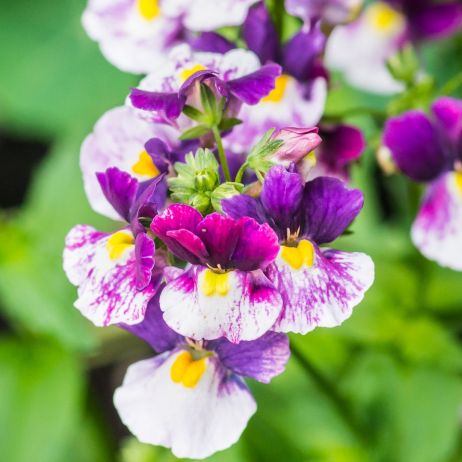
191 397
114 272
299 96
429 149
236 75
224 292
319 287
124 140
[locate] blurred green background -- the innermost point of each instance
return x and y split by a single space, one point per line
386 386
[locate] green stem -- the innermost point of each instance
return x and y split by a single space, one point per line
240 173
451 85
325 386
221 153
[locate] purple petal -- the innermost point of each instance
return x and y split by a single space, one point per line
120 189
220 235
253 87
260 33
329 207
211 42
257 246
144 254
300 53
297 143
153 329
448 114
244 206
174 218
159 152
281 197
169 105
437 21
414 145
262 359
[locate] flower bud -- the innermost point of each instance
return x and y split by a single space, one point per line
200 202
297 143
206 180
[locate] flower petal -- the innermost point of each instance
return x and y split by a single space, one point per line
107 292
245 311
438 21
194 422
144 254
448 113
414 144
262 359
437 230
329 208
324 294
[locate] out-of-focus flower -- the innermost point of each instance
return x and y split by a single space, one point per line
429 149
224 292
319 287
135 35
191 397
114 272
124 140
236 75
331 11
360 50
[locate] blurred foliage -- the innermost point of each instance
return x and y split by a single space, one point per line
394 368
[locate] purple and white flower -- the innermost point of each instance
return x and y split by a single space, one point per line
224 291
192 397
235 75
114 271
428 149
319 287
135 35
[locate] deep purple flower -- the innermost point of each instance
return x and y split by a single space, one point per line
429 149
319 287
192 397
224 292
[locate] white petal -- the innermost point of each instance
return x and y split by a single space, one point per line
193 422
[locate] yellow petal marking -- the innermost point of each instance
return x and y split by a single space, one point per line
458 179
145 166
186 370
186 73
118 243
298 256
215 283
148 9
383 17
277 94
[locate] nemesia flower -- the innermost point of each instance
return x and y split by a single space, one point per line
319 287
360 50
428 149
331 11
191 397
124 140
299 96
114 271
235 75
135 35
224 292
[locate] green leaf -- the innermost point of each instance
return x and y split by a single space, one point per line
39 404
194 113
195 132
227 124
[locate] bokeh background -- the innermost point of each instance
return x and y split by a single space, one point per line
385 386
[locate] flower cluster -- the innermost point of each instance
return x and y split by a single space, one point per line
227 194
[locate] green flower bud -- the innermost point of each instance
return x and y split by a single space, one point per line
225 191
201 202
206 180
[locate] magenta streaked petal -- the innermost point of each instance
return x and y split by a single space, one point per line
145 261
437 230
261 359
246 311
324 294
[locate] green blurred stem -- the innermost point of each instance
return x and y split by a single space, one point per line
330 391
451 85
240 173
221 153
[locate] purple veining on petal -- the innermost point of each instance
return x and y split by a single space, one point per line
144 253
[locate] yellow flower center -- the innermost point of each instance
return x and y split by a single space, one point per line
214 283
458 180
186 370
298 256
383 17
186 73
118 243
145 166
277 94
148 9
